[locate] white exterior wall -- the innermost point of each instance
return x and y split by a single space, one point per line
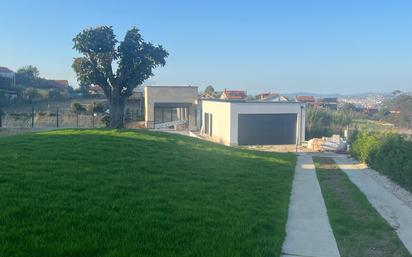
225 117
266 108
220 120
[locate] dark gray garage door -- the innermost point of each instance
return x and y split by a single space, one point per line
267 129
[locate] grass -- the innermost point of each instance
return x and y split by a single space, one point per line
358 228
127 193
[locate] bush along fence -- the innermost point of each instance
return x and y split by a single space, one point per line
387 153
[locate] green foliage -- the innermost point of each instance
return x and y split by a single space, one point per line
321 122
387 153
209 90
77 108
365 145
135 59
101 193
401 107
106 120
27 76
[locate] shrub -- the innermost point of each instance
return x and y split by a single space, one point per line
77 108
364 146
387 153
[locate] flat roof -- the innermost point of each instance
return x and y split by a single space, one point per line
250 101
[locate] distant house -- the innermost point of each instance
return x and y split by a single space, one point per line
233 95
58 84
271 97
329 102
305 99
6 73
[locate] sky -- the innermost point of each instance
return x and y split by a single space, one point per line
345 47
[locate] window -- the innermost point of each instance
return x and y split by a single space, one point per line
211 125
206 123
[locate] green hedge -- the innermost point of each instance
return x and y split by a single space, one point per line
387 153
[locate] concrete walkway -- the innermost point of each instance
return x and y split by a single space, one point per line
308 230
395 210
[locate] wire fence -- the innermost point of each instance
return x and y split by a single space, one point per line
51 119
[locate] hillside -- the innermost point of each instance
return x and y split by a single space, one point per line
127 193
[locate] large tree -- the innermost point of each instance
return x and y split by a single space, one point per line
135 61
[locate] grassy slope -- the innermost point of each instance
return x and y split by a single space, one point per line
358 228
122 193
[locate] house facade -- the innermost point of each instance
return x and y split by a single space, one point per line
7 73
253 122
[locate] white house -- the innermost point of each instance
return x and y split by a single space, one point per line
253 122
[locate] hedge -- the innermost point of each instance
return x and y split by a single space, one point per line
387 153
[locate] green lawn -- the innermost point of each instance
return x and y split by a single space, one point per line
127 193
358 228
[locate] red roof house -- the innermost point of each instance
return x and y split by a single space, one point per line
305 99
61 84
233 95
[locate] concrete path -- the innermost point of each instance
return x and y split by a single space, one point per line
395 210
308 230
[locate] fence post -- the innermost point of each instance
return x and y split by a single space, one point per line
93 120
57 117
1 116
77 119
32 115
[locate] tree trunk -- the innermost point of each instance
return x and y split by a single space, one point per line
117 113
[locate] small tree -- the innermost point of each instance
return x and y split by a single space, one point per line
209 91
78 108
27 76
135 59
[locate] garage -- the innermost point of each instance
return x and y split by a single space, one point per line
244 122
267 129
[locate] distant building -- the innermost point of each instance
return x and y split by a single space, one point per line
59 84
6 73
233 95
271 97
310 100
328 102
